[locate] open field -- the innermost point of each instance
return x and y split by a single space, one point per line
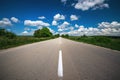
19 40
104 41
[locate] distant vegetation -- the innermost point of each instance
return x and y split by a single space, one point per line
5 34
65 35
104 41
57 35
44 32
9 39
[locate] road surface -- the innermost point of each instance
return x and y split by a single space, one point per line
78 61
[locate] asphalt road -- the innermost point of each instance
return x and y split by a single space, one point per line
39 61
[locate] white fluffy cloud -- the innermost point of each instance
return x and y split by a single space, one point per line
5 22
54 23
25 32
59 17
87 31
66 23
39 24
90 4
63 26
76 26
113 24
73 17
112 28
104 28
14 19
28 31
101 6
41 17
36 23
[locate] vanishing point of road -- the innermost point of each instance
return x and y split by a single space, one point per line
59 59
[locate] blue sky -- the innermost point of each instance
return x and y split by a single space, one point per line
73 17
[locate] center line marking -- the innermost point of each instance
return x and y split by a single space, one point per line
60 65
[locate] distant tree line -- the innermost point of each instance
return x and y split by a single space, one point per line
44 32
40 33
7 34
65 35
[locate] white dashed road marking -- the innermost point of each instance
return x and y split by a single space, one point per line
60 65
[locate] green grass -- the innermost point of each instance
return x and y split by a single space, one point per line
19 40
104 41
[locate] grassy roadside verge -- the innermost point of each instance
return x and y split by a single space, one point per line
104 41
19 40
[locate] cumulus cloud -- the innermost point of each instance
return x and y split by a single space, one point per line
81 28
54 23
101 6
5 22
90 4
73 17
41 17
63 26
66 29
84 31
58 17
36 23
25 32
14 19
112 28
66 23
76 26
28 32
103 28
113 24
